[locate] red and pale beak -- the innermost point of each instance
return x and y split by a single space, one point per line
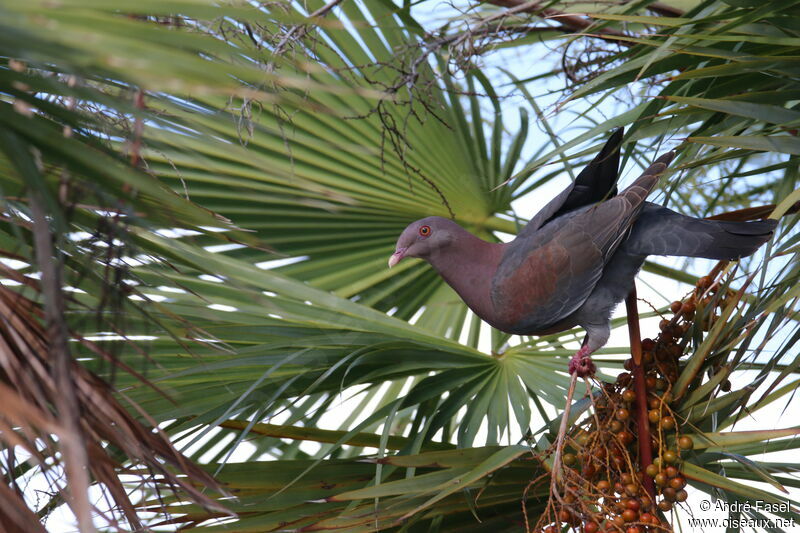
397 256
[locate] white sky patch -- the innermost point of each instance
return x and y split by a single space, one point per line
13 263
208 277
212 229
223 307
79 236
137 261
415 317
171 289
175 233
74 289
151 297
227 247
275 263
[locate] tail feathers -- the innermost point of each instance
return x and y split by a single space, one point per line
733 240
660 231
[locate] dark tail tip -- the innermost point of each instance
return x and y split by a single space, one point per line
742 239
667 158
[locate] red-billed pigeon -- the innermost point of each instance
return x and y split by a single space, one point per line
577 258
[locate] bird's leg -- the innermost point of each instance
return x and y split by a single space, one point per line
581 363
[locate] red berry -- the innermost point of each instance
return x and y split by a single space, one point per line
677 483
629 515
647 518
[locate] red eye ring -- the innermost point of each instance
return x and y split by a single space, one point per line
425 231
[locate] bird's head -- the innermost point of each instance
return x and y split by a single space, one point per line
424 238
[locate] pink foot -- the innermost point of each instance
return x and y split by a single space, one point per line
581 363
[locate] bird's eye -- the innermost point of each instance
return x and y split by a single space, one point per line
425 231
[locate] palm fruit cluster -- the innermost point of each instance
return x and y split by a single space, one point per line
603 486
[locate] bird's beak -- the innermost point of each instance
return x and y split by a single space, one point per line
396 257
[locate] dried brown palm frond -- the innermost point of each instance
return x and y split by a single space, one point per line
30 403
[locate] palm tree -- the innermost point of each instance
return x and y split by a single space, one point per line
199 200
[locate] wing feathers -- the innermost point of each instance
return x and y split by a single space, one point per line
595 183
546 275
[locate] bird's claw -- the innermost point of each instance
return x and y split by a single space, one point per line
581 363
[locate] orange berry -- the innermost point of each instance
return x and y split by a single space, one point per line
628 395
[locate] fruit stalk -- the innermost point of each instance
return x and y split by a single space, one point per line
640 386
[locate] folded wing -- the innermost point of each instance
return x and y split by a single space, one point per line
546 275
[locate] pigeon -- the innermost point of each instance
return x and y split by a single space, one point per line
577 258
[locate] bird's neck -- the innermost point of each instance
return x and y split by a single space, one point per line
469 269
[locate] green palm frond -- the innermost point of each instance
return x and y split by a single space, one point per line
178 145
